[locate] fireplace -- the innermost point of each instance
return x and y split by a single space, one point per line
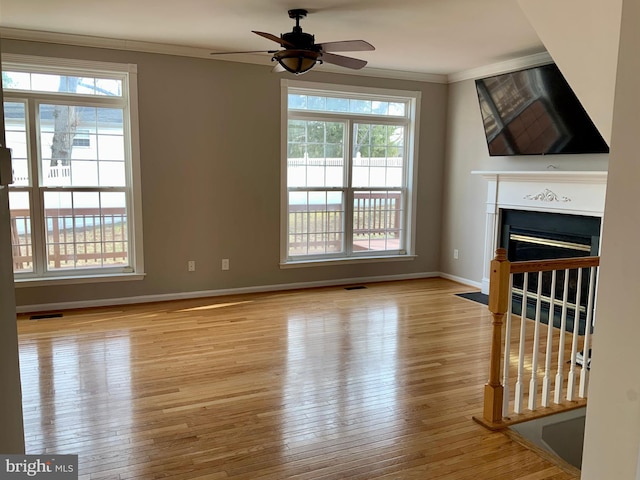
534 235
542 215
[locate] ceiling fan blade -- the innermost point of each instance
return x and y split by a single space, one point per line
346 46
243 51
279 40
278 68
342 61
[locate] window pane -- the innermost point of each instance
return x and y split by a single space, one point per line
83 173
360 106
316 223
337 105
85 86
110 87
71 151
59 228
48 82
112 174
16 81
346 105
315 154
85 118
297 101
110 121
16 134
111 147
377 220
86 229
378 155
84 146
21 242
57 126
380 108
397 109
316 103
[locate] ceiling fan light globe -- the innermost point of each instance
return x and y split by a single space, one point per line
296 61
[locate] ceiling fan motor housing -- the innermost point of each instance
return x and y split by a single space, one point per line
300 39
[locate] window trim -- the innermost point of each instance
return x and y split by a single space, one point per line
413 127
128 73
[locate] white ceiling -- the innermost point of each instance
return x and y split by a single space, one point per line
440 37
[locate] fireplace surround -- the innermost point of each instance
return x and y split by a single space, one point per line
568 207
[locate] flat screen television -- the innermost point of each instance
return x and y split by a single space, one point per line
535 112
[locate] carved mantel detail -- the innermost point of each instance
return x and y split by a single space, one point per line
583 193
547 196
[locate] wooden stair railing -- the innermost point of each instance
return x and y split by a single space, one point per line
557 287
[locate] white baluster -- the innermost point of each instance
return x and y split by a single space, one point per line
507 352
574 344
557 398
586 354
546 381
533 383
523 314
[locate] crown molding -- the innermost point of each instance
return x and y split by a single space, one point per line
102 42
35 60
392 74
259 59
534 60
169 49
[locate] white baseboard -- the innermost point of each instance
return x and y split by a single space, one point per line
109 302
464 281
485 286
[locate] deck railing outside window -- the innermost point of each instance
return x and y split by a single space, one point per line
75 238
376 218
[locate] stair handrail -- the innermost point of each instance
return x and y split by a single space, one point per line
500 287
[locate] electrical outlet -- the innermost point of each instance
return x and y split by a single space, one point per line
191 265
455 254
225 264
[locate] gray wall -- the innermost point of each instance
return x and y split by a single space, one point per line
464 194
210 161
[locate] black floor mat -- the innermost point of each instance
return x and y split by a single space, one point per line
475 296
531 311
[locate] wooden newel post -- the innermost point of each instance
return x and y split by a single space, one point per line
498 305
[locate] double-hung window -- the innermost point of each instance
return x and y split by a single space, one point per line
349 163
75 202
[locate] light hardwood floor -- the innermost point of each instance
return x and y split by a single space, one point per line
328 383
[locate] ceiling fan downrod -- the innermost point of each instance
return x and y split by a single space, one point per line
297 14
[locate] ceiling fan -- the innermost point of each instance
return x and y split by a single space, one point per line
301 53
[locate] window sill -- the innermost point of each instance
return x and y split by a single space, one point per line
345 261
76 279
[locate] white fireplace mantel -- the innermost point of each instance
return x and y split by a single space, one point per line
556 191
